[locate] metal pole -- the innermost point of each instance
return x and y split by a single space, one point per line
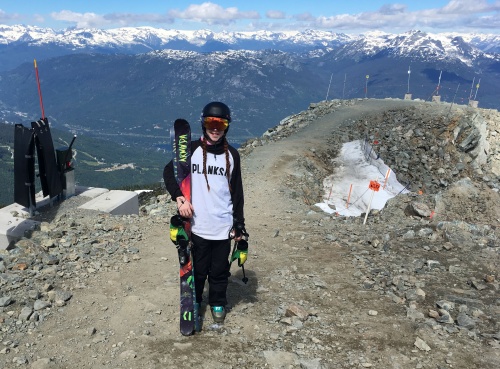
477 88
454 98
366 86
39 89
471 88
409 72
328 91
343 90
439 83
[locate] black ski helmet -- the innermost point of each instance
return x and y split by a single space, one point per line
217 109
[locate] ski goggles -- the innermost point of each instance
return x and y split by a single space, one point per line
217 123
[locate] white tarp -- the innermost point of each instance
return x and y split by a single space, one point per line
356 166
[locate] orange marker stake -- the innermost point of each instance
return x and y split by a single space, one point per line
348 197
374 186
330 193
386 177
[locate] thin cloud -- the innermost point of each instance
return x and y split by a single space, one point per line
81 20
211 13
275 14
487 22
393 9
38 18
132 18
466 6
7 17
305 17
93 20
456 14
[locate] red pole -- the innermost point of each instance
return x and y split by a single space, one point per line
39 90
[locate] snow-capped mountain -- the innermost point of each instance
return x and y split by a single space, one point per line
416 45
17 42
140 39
154 37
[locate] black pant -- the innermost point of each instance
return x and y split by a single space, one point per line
211 259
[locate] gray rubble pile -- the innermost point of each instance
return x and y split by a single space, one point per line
41 271
435 251
444 273
429 146
292 123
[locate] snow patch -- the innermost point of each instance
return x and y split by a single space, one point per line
347 191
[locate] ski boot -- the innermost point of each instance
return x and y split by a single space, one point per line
218 314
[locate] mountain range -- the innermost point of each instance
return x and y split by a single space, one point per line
19 40
127 85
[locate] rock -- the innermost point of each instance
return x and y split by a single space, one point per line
446 305
40 305
445 317
414 314
489 278
455 269
61 297
310 364
421 345
5 301
25 313
465 321
20 360
418 209
280 359
478 285
295 310
433 314
128 354
44 363
420 294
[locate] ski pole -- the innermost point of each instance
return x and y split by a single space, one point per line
39 90
244 279
240 245
244 246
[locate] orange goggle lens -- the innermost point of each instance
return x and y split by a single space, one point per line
219 124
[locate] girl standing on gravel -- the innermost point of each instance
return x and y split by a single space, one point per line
216 210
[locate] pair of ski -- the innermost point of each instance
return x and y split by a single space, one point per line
181 145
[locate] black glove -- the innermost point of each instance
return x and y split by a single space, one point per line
238 230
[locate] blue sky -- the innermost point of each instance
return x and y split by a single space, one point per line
340 16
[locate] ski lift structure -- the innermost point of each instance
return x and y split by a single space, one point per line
436 97
472 101
408 94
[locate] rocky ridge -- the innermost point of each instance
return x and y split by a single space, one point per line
416 287
429 145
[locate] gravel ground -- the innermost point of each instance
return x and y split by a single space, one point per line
414 287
